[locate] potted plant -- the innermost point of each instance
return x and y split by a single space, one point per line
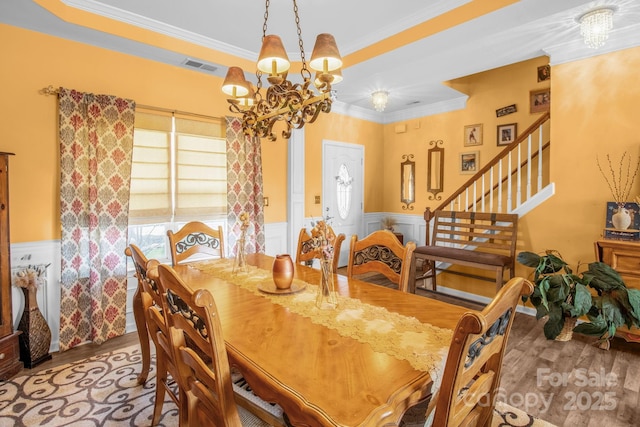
564 296
388 223
558 294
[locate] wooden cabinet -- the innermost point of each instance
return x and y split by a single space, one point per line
624 257
9 345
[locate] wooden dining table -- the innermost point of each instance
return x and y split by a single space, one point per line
316 373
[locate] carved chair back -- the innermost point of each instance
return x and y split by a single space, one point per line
193 238
472 371
381 252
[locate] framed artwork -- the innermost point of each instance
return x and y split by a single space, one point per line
544 73
539 100
507 134
469 162
509 109
472 135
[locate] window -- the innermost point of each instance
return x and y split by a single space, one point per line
179 174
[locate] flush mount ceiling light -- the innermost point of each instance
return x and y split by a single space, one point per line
379 99
595 26
294 104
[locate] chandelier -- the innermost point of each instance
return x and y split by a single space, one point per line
294 104
595 26
379 99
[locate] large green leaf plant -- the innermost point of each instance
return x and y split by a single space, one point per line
560 293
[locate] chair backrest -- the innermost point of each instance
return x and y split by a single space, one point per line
193 238
306 253
381 252
472 371
193 316
151 294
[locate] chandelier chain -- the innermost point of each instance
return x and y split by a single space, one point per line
266 18
304 62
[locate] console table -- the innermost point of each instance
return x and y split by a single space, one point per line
624 257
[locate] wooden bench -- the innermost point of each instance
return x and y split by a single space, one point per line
473 239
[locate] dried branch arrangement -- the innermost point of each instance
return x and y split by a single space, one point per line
620 187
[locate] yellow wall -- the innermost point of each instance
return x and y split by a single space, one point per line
487 92
33 61
594 110
336 127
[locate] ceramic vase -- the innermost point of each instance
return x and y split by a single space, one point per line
621 219
282 271
326 296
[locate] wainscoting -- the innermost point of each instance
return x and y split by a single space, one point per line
48 252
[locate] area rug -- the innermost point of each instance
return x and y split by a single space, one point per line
103 391
98 391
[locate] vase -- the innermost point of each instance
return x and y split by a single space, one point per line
326 296
35 339
240 262
282 271
621 219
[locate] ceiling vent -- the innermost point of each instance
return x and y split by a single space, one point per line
203 66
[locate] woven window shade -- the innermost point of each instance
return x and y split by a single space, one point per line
150 199
201 170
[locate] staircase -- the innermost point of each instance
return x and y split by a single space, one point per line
515 181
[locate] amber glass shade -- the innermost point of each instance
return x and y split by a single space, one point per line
325 56
235 85
273 58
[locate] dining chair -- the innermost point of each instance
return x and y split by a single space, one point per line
472 369
194 238
201 357
381 252
306 251
140 264
152 297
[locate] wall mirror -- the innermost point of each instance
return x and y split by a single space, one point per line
435 169
407 181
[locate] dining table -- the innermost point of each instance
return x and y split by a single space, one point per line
363 362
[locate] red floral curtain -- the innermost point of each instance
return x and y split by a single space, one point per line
244 187
96 145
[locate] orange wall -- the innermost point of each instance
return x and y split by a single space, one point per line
336 127
594 112
487 92
30 118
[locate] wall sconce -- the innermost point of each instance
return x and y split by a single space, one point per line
595 26
379 99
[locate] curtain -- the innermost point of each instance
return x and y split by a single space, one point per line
244 185
96 145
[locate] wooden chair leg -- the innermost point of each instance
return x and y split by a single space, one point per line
499 279
143 335
432 266
161 380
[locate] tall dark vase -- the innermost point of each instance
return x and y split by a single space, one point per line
35 339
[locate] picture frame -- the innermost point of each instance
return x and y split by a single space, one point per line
473 135
506 134
539 100
544 73
509 109
469 162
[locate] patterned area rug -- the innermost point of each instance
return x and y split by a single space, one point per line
99 391
102 391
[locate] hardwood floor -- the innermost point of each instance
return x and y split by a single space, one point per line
569 384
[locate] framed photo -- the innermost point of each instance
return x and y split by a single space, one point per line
469 162
472 135
544 73
507 134
539 100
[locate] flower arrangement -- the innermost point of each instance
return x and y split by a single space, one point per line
322 241
31 277
620 189
388 223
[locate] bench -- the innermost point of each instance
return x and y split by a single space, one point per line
473 239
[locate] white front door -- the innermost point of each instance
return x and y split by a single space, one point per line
343 190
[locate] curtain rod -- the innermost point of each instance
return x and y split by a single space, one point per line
50 90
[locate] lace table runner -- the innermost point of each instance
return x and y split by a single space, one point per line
423 345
